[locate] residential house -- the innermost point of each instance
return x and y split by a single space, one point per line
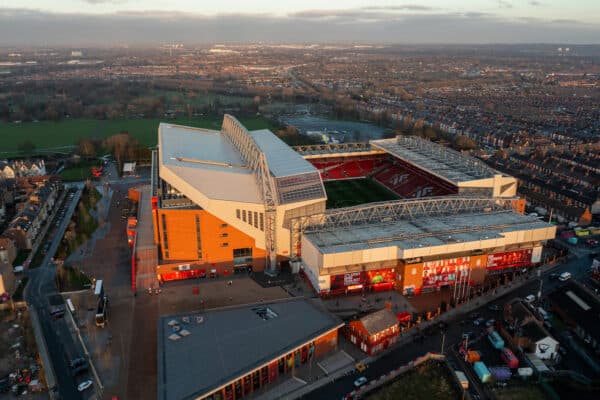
374 332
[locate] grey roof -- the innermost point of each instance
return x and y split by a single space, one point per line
379 321
282 159
423 232
232 342
578 304
438 160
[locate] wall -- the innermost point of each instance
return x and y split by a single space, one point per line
218 239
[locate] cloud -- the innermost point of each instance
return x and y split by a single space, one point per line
19 27
405 7
105 1
504 4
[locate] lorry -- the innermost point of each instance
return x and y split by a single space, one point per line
483 373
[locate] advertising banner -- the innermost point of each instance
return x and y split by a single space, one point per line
509 259
445 272
362 279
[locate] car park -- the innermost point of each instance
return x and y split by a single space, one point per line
84 385
360 381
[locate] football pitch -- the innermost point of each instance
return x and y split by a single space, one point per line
350 192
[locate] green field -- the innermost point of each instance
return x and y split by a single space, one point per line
58 136
350 192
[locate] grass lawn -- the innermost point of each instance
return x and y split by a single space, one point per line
428 381
346 193
79 172
52 136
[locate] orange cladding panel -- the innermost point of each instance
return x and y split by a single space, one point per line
217 239
412 276
478 269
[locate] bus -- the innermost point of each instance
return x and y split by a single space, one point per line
102 312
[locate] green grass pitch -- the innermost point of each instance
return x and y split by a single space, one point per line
351 192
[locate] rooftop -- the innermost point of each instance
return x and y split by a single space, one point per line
579 305
231 342
438 160
379 321
209 162
423 231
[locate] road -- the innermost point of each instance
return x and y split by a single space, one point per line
41 285
408 352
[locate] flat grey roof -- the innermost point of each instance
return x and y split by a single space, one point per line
437 159
232 342
422 232
282 159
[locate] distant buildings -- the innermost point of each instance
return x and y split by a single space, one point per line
36 202
19 168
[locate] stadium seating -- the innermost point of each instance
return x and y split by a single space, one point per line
347 168
397 175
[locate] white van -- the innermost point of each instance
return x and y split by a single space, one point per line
543 313
565 276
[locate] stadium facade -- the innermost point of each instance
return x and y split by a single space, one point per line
231 200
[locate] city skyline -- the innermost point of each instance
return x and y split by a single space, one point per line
107 22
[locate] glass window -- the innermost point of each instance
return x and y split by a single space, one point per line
238 213
255 219
250 217
244 215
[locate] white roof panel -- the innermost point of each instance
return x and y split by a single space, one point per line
282 159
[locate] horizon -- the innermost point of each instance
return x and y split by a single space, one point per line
118 22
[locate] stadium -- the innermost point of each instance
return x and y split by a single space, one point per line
400 214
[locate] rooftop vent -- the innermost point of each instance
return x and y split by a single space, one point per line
265 313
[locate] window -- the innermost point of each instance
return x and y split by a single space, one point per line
165 236
224 234
224 244
238 213
245 252
265 313
262 221
255 219
198 238
250 217
224 225
244 215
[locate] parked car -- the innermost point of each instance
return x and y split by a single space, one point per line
84 385
357 383
565 276
494 307
530 299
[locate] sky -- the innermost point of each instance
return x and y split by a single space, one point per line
105 22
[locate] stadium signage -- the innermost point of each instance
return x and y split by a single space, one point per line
509 259
444 272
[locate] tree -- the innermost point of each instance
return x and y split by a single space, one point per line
122 146
87 148
26 146
464 143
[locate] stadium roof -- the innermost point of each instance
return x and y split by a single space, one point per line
232 342
438 160
282 159
209 162
423 231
